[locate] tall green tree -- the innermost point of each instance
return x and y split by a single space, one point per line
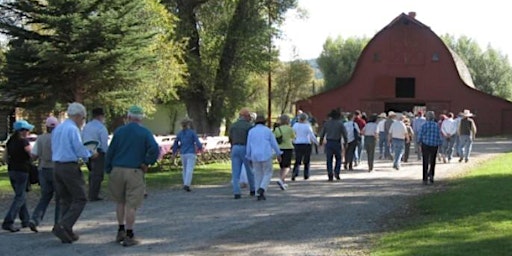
90 51
339 58
294 81
490 69
226 42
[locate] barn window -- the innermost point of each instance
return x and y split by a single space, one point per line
405 87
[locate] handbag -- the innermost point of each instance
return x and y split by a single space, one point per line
280 138
33 174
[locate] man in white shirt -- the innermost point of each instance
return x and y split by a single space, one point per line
448 131
352 139
383 137
397 138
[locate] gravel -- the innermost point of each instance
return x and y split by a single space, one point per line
312 217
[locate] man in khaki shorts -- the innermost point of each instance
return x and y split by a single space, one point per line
132 149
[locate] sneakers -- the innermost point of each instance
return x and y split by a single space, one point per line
261 194
10 228
238 196
121 235
129 241
33 227
281 184
252 193
337 176
186 188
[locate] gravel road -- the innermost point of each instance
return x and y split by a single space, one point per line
312 217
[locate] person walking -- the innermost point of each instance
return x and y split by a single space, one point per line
42 151
417 123
387 124
333 131
398 136
448 131
238 139
187 144
67 150
370 138
285 132
303 137
467 132
353 133
430 139
383 137
133 148
360 120
95 130
17 156
260 144
409 138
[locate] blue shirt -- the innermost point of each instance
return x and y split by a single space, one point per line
96 130
186 141
67 143
260 143
132 145
430 134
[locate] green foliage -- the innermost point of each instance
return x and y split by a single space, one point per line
294 81
339 58
490 69
472 217
108 53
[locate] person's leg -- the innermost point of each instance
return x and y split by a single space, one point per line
449 150
464 139
45 182
248 172
75 185
337 156
96 176
426 161
468 148
135 187
350 154
184 163
407 150
369 144
299 154
258 174
64 197
19 184
399 151
266 174
285 163
382 144
190 169
236 167
307 157
329 153
432 164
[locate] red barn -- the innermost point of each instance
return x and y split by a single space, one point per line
406 65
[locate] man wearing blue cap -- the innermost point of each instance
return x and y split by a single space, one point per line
67 151
132 149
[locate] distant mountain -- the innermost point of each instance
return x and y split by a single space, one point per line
314 65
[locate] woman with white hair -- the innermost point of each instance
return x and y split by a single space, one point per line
304 136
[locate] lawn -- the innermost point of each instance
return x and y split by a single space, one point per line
472 217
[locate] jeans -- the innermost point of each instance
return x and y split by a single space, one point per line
70 187
429 160
96 169
47 192
19 181
382 144
237 159
398 149
448 144
466 143
369 145
349 154
359 150
417 146
189 162
407 151
302 153
333 149
262 173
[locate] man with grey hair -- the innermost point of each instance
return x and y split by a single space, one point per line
67 151
132 149
398 136
430 139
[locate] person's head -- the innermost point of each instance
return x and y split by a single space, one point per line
135 114
372 118
357 113
77 113
303 117
420 114
186 123
260 119
350 116
450 115
51 123
98 114
391 115
284 119
245 114
430 116
21 129
399 117
335 114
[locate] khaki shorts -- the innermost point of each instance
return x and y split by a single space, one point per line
126 185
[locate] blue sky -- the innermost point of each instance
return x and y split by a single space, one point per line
487 22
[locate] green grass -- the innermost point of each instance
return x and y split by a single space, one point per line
472 217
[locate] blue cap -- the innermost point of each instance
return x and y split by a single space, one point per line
22 124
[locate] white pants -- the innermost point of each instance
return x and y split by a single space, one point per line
189 162
262 174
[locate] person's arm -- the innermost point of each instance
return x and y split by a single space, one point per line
312 135
473 128
198 143
35 152
152 150
175 145
104 139
321 135
77 145
110 154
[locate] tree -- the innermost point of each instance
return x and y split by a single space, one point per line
90 51
339 58
293 82
490 69
226 42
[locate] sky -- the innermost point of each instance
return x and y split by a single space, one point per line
487 22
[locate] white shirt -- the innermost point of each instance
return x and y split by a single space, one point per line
370 129
449 127
398 130
349 126
304 134
260 144
380 125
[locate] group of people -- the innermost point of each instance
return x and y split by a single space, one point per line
60 152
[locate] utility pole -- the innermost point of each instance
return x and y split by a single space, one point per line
269 106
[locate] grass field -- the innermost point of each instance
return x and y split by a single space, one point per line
472 217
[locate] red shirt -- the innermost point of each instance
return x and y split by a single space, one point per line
360 122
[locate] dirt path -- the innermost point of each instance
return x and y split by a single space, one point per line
312 217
